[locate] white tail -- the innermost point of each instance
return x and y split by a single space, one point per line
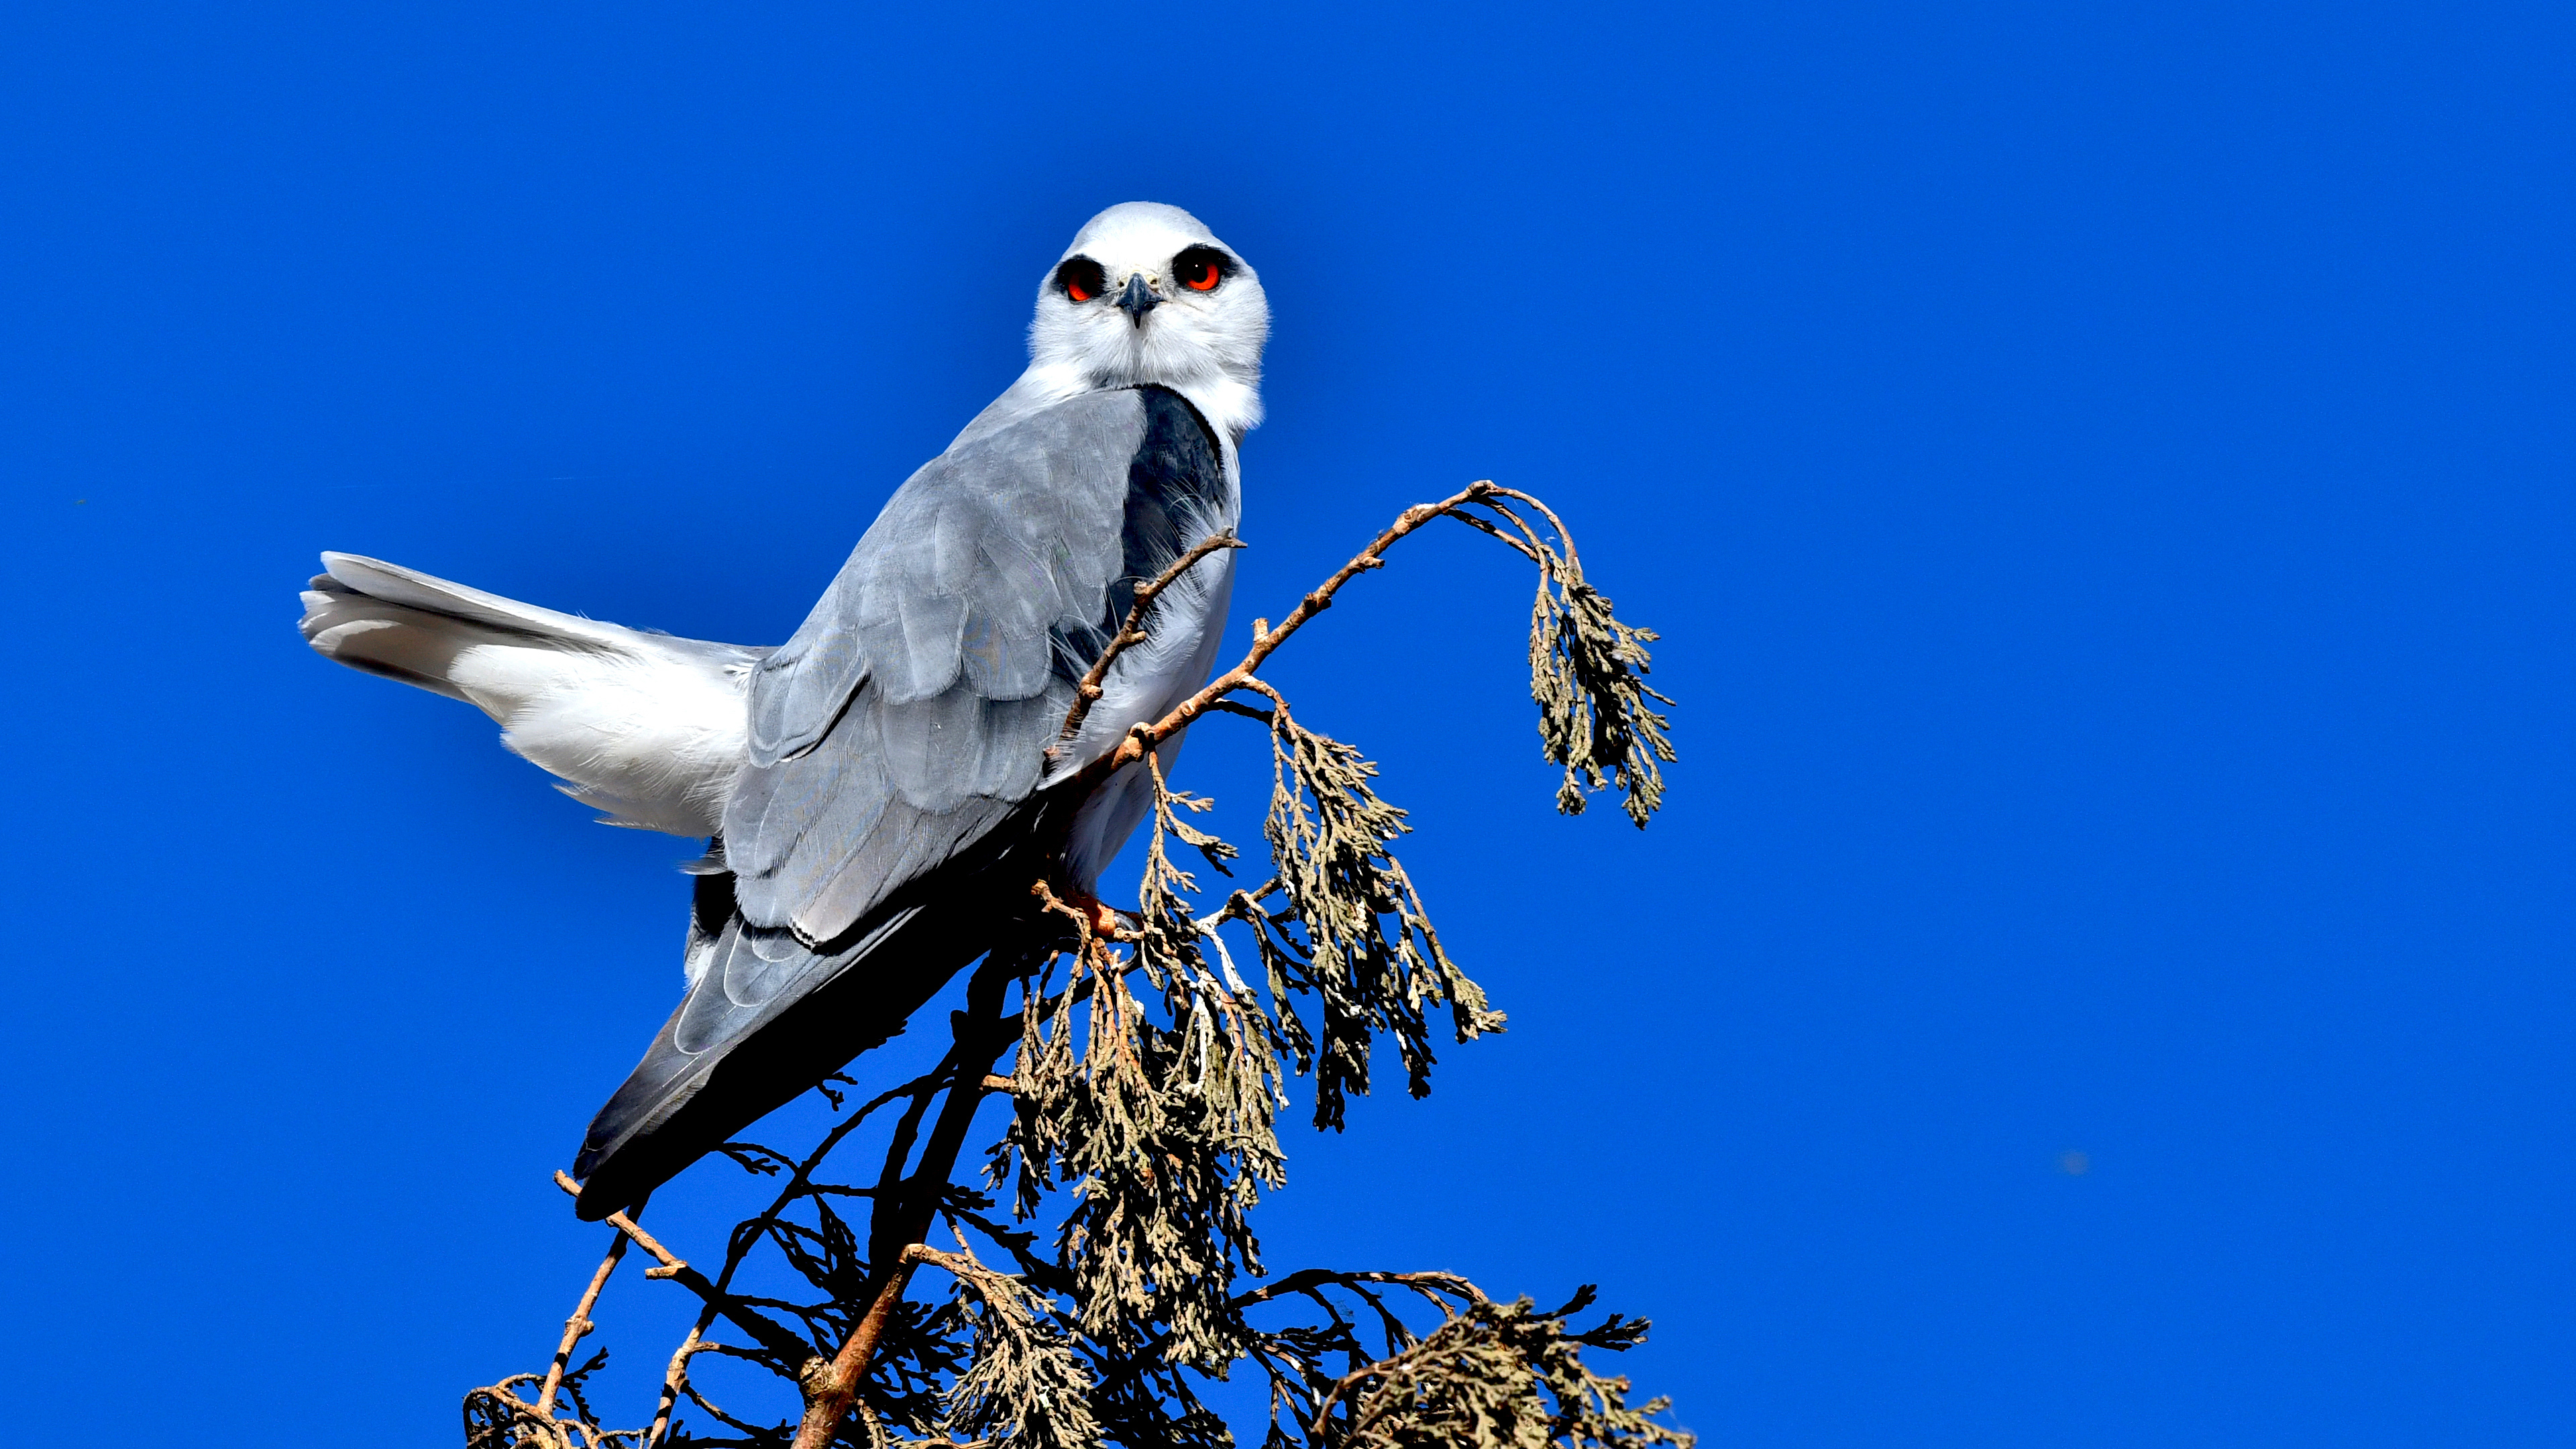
646 727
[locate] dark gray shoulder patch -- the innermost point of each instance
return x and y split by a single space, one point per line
1176 479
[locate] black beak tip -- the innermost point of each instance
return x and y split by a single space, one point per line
1138 299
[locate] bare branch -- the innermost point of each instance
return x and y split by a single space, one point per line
770 1335
1132 630
675 1378
830 1388
1146 737
1587 667
577 1325
905 1218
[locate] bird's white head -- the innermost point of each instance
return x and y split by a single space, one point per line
1147 294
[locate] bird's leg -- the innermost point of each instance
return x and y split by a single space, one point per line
1104 919
1108 923
1095 917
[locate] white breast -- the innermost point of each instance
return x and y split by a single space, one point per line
1184 632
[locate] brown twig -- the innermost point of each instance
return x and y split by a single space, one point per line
671 1267
962 1265
1132 631
577 1325
787 1346
1099 923
699 1397
826 1402
676 1375
1146 736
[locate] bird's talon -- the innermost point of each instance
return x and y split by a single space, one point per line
1106 922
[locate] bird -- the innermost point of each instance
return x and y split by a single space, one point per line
879 792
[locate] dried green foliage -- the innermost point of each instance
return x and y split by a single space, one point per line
1163 1123
1351 932
1161 1131
1587 668
1588 674
1160 1121
1496 1376
1023 1388
1145 1078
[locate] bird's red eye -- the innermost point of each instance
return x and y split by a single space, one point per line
1081 278
1200 268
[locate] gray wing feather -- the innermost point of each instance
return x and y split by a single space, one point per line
915 704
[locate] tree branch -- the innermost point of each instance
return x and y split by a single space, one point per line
676 1375
1164 1122
577 1325
787 1346
1146 736
830 1388
1087 693
1306 1280
905 1217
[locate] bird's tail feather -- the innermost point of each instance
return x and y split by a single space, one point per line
647 727
717 1065
407 625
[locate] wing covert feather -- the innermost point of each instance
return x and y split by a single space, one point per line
917 700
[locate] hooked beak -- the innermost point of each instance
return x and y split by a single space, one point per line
1138 299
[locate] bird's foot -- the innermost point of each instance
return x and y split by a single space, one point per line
1107 922
1103 921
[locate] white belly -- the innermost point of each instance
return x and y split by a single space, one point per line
1183 636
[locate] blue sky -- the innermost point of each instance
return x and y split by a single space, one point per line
2101 474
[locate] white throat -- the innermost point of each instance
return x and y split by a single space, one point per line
1231 405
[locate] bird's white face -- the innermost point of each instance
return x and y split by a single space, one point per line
1146 294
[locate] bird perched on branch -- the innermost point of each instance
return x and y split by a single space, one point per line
882 788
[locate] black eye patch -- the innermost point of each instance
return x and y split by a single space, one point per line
1201 268
1080 278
